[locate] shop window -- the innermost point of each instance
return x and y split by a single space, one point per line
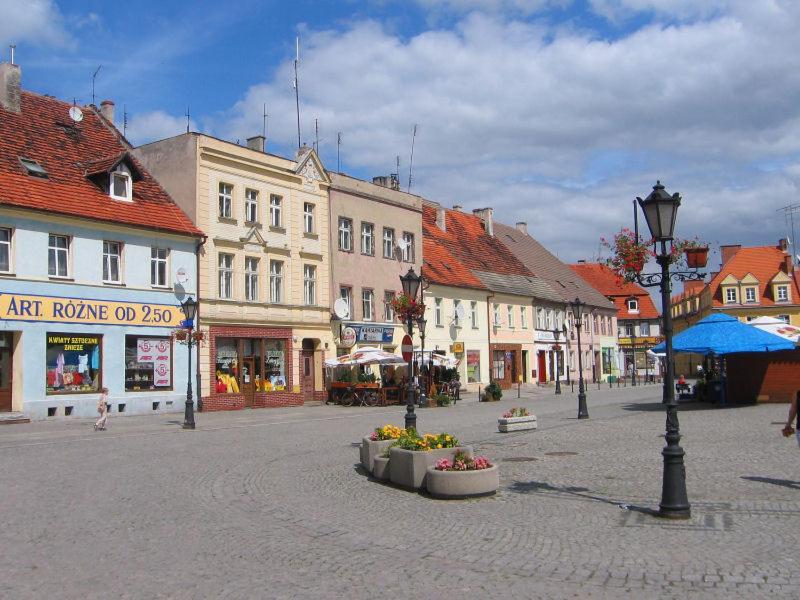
74 363
473 366
148 363
256 362
498 365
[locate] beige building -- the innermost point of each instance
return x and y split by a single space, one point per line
263 271
376 236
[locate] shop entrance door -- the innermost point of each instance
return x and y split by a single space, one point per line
307 374
248 381
542 367
6 371
511 367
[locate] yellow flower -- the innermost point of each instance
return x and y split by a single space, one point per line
438 445
447 438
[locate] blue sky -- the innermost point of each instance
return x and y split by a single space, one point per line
556 112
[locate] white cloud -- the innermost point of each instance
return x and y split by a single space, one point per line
147 127
38 22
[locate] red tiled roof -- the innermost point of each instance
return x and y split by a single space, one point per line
452 255
42 131
605 281
764 262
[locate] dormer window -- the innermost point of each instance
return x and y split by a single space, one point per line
120 185
633 305
730 295
782 293
33 168
750 295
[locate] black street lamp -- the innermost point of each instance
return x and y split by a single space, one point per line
557 348
633 340
421 323
577 312
660 210
189 311
411 283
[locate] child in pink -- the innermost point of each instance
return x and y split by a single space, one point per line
102 408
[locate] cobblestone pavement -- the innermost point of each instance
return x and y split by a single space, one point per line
271 504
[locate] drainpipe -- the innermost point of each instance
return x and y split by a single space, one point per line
200 243
489 332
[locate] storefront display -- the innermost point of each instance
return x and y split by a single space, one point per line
250 362
74 363
473 366
148 363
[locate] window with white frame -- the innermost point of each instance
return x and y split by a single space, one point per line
510 316
276 281
540 318
368 239
251 279
345 234
308 217
5 250
602 325
346 294
225 270
523 317
549 319
644 328
633 305
496 315
120 185
367 304
456 306
388 311
275 210
782 293
408 247
473 314
309 285
112 257
437 312
730 295
388 242
158 266
58 255
225 200
750 295
251 206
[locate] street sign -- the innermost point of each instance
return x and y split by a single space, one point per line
407 347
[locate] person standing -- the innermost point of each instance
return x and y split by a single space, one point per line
788 429
102 409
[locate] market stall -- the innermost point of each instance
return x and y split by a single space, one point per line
368 376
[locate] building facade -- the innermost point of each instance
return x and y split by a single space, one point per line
95 259
264 271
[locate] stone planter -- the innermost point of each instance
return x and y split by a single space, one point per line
517 423
408 468
380 468
369 450
452 485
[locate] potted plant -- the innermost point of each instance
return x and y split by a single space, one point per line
412 454
492 392
629 255
374 444
442 400
516 419
695 252
407 308
462 477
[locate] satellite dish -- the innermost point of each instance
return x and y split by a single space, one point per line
75 114
402 244
341 308
459 312
181 276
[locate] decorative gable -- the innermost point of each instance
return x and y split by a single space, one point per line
311 170
254 239
729 280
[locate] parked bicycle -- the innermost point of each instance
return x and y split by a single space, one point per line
365 397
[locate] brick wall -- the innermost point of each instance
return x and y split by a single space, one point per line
763 377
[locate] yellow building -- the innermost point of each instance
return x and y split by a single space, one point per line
264 268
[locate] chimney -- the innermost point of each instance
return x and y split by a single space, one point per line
256 142
107 110
486 215
10 86
581 261
394 182
381 180
457 207
783 244
729 251
441 221
522 227
788 265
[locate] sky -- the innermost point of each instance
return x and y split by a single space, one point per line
554 112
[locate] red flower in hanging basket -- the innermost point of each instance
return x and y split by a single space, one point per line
628 254
406 307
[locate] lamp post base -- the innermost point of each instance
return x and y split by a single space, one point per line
188 419
583 412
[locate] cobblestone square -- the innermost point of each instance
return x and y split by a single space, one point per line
272 504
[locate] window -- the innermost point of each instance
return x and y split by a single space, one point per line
387 303
750 295
784 318
510 316
276 281
308 217
5 250
456 306
644 328
388 242
549 318
540 318
225 262
496 315
120 184
275 217
498 365
345 234
225 200
148 363
33 167
633 305
730 295
74 363
473 366
58 256
256 362
310 285
111 259
603 329
408 247
368 239
346 294
251 206
473 314
630 329
367 297
158 266
523 317
437 312
251 279
782 293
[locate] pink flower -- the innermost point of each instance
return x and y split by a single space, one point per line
374 436
443 465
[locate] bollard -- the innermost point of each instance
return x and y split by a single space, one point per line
610 384
598 385
573 387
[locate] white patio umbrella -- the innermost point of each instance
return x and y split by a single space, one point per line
777 327
365 356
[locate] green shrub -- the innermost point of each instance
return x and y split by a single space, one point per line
492 392
443 400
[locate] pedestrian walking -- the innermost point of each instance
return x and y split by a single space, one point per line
788 429
102 408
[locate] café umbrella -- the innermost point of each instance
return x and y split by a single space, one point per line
365 356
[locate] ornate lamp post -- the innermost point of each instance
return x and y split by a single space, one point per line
421 323
577 311
411 283
660 210
557 348
189 311
633 343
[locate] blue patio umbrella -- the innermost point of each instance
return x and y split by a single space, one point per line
723 334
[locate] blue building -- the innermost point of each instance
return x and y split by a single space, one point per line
95 259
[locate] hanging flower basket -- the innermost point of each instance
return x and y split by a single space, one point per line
696 258
628 254
406 307
180 335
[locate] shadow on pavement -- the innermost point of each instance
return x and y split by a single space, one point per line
788 483
535 487
684 406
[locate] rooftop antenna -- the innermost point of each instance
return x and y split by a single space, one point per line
297 87
788 215
316 135
264 117
187 119
12 47
411 162
93 78
338 148
124 120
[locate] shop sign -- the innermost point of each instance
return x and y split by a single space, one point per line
373 333
22 307
73 343
156 351
457 348
348 337
542 335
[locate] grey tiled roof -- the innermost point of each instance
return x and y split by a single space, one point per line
521 285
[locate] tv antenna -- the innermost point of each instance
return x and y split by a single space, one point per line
187 119
788 214
264 117
75 113
316 135
338 148
93 78
124 120
297 87
411 161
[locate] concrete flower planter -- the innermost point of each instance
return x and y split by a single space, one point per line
452 485
517 423
408 468
369 450
380 468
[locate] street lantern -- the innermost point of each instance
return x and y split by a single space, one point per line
577 311
189 308
410 282
660 210
423 369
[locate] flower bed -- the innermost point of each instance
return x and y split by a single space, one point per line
462 477
517 419
377 442
412 454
